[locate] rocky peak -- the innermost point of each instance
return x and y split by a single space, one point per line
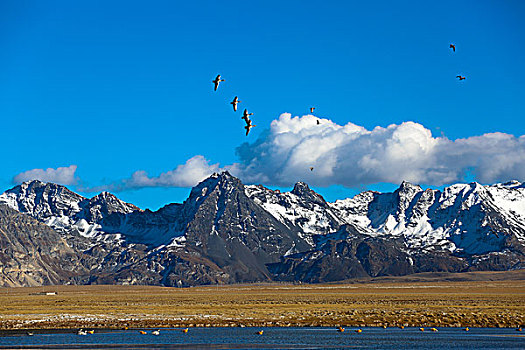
513 184
407 187
221 181
42 200
303 191
102 205
301 188
112 202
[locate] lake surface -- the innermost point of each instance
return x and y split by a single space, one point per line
277 338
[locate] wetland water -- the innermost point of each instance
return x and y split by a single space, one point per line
275 338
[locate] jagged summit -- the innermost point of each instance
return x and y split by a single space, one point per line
224 181
301 188
407 186
513 184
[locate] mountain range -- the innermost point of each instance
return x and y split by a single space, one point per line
228 232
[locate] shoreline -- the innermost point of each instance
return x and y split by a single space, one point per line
36 331
109 326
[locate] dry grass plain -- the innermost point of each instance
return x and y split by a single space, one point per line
483 300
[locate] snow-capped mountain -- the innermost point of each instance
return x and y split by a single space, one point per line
301 209
227 232
468 218
62 209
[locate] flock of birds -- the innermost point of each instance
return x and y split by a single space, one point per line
260 332
245 115
460 77
234 103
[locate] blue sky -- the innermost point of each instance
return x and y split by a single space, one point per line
119 87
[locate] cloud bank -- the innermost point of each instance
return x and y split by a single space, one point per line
62 175
351 155
347 155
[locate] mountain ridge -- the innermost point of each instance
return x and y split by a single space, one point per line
228 232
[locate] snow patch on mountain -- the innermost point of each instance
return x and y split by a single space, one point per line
302 209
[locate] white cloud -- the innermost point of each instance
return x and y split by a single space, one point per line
62 175
189 174
351 155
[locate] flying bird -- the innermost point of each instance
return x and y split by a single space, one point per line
246 116
248 127
234 103
217 81
311 168
453 47
312 109
460 77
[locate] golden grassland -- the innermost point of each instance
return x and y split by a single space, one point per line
387 302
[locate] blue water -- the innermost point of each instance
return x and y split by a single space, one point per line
280 338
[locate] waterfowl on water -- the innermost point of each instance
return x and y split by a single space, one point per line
340 329
185 330
466 329
81 332
143 332
157 332
422 329
359 330
260 332
433 329
91 331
